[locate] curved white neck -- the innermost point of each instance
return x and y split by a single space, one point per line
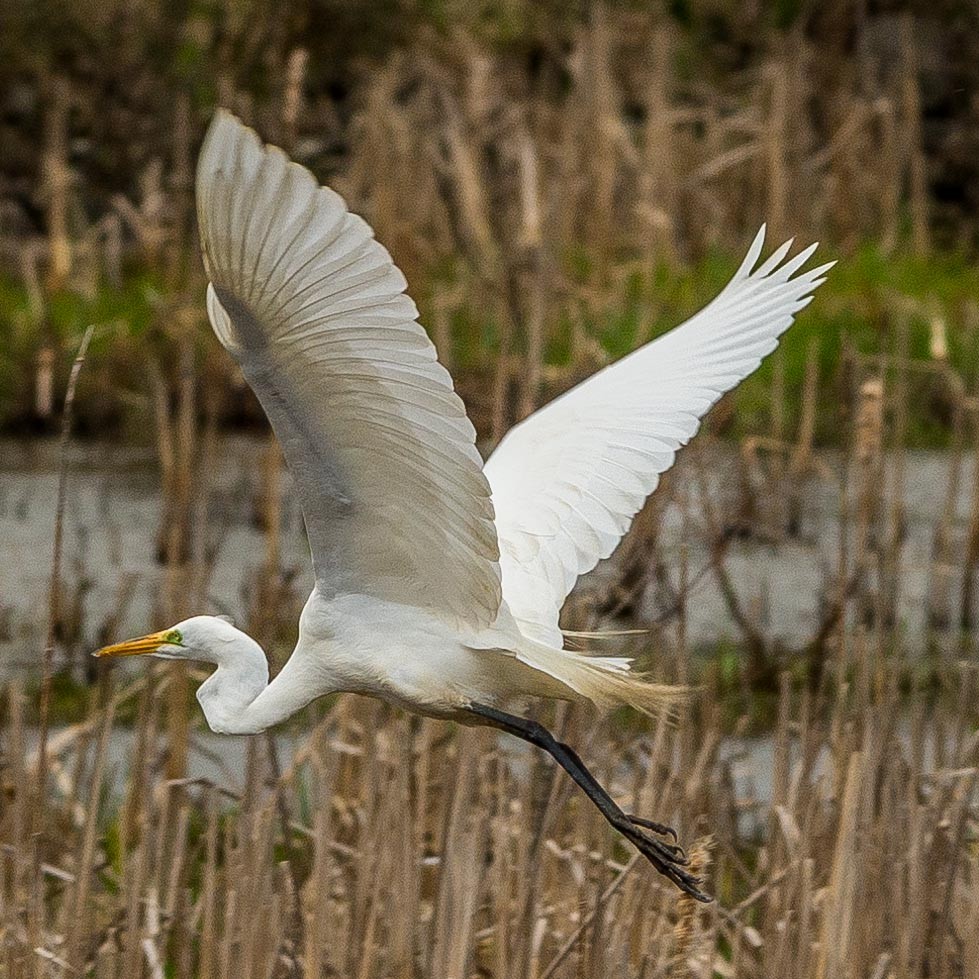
237 697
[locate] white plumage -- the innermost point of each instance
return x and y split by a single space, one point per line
439 581
384 457
568 480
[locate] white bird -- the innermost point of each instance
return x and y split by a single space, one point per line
438 580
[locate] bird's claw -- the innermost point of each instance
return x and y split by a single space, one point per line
668 858
660 828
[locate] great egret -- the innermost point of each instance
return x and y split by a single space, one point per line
438 580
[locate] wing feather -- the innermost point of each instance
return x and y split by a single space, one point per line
568 480
313 309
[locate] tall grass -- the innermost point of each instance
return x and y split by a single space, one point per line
548 219
412 849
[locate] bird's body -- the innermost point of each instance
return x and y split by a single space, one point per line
439 581
403 655
414 660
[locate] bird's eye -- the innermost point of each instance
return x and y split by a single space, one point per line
173 638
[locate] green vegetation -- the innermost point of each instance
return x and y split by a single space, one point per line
864 301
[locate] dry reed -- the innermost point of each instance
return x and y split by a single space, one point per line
418 854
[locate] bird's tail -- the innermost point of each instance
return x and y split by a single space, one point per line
607 681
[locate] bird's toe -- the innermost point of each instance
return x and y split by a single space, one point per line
660 828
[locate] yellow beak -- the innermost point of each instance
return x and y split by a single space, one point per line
135 647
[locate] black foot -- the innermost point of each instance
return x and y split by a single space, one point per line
668 858
660 828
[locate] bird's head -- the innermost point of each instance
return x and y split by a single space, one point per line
229 696
203 638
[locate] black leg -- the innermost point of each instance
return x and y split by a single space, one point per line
667 858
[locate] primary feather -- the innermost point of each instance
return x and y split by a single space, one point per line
313 309
568 480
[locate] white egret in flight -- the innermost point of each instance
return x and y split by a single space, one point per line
439 580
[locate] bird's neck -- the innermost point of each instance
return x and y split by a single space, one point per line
238 699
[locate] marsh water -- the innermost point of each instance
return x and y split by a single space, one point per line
112 576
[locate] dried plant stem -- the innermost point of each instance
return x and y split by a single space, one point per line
603 899
911 96
292 99
777 129
971 569
57 183
54 592
658 179
531 243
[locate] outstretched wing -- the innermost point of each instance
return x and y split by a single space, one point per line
568 480
383 456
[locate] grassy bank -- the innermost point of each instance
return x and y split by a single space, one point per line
869 299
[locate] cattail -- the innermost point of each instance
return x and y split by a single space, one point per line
778 132
689 950
839 904
942 568
868 439
658 179
801 458
292 98
531 245
890 185
911 111
869 423
604 129
44 384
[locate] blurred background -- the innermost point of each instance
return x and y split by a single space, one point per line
560 183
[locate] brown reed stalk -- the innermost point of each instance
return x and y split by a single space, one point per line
839 914
603 123
891 165
531 248
778 137
173 229
57 183
912 121
292 97
44 384
970 572
942 565
54 591
868 443
895 530
658 179
81 909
